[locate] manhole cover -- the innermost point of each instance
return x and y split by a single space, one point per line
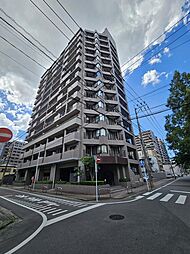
116 217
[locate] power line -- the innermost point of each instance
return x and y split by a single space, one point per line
21 34
152 42
50 21
156 52
18 63
29 34
14 34
22 52
58 17
68 13
151 92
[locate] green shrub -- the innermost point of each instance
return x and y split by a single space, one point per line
61 182
44 182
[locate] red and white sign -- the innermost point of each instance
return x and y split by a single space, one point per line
5 135
98 160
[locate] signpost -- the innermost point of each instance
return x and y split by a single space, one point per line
97 160
5 135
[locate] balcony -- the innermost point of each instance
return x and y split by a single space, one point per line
117 153
71 155
54 143
25 164
52 158
75 86
39 149
34 162
73 136
28 153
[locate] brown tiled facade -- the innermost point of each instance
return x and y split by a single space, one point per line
81 110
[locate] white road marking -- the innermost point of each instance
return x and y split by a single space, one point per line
47 209
33 234
44 207
166 198
154 196
148 193
64 211
181 200
178 191
68 215
54 211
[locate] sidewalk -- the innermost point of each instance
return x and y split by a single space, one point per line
123 193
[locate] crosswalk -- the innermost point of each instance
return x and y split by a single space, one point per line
167 197
49 206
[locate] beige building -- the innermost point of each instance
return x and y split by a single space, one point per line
152 148
81 110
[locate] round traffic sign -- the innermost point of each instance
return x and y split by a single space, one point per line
5 135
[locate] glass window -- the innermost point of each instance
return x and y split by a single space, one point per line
102 117
102 132
98 66
98 74
100 93
100 104
97 133
99 149
104 149
97 52
99 82
98 59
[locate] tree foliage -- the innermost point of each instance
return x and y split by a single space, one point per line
178 122
89 163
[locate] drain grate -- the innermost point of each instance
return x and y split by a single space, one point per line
116 217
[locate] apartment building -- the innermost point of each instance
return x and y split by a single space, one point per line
81 110
163 152
14 150
152 149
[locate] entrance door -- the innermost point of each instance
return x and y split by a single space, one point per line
106 172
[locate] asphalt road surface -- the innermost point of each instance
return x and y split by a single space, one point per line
155 222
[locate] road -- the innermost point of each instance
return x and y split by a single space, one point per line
156 222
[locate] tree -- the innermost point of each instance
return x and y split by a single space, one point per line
89 163
178 122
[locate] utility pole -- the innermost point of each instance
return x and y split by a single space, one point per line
7 162
147 162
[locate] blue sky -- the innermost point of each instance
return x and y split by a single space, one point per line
133 25
168 62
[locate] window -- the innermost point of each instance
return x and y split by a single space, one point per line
102 117
100 93
98 59
102 149
99 82
98 74
98 66
97 52
100 104
102 132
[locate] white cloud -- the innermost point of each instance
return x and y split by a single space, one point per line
155 59
166 51
134 64
2 104
151 77
20 123
17 89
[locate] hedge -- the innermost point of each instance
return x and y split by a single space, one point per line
92 183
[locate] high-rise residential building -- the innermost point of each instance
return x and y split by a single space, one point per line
163 151
81 110
12 153
152 149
